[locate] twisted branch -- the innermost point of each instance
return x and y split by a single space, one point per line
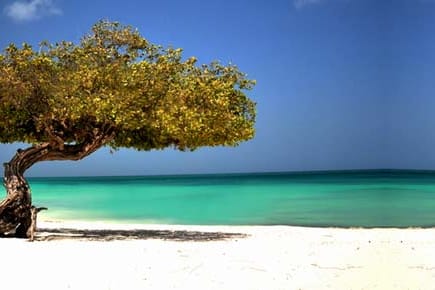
16 211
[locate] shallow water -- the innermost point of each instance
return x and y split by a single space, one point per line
376 198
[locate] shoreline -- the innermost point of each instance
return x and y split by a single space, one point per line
109 224
249 257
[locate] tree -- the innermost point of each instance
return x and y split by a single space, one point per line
114 89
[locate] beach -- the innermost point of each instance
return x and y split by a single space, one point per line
101 255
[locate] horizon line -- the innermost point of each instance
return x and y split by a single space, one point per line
301 172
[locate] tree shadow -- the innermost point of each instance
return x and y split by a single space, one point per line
44 234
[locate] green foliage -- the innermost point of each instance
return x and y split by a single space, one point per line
150 95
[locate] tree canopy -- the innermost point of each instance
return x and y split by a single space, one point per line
114 80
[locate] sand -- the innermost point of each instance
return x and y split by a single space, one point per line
195 257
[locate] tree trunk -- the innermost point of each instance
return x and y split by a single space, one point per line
16 208
17 215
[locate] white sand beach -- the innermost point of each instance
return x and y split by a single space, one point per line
117 256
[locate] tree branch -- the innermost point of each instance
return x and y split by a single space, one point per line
16 211
97 139
46 151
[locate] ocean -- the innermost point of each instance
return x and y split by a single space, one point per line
370 198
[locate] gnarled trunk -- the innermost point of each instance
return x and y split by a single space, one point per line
16 208
17 214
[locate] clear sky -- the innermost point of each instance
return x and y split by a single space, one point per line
341 84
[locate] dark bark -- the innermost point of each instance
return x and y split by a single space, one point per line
17 214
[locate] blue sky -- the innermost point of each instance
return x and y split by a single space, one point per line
341 84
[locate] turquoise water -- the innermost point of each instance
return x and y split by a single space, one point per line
377 198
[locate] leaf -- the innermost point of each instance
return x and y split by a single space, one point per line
115 77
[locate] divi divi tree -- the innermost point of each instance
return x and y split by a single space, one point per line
113 89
